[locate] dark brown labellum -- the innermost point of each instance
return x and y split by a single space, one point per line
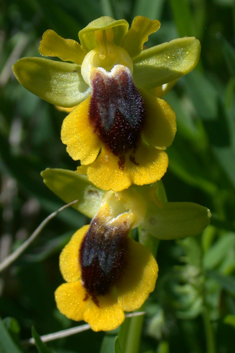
103 256
117 110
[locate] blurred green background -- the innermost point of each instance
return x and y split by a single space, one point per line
193 306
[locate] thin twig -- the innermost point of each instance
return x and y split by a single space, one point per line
11 258
72 331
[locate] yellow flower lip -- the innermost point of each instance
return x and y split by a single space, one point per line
103 256
105 46
116 111
112 161
113 274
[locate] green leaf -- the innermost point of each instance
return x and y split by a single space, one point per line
70 186
193 254
166 62
176 220
117 346
186 125
226 282
107 8
186 166
183 18
218 251
224 3
26 170
230 320
110 344
12 325
59 19
222 224
228 51
51 247
148 8
56 82
203 94
229 94
218 124
7 345
226 157
42 348
82 11
200 18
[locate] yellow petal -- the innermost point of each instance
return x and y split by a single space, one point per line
160 125
69 258
66 49
151 164
108 316
77 133
139 278
106 174
138 34
87 35
70 300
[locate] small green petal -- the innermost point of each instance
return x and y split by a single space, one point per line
138 34
166 62
56 82
70 186
87 34
175 220
66 49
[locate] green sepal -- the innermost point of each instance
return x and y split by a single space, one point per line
176 220
87 34
70 186
56 82
166 62
163 220
167 220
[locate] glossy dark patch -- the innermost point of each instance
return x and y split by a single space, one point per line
103 256
117 111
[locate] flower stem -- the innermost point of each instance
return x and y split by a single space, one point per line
130 332
134 334
210 339
123 334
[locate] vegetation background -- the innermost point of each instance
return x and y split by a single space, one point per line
193 306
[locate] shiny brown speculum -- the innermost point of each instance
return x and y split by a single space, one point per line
117 110
103 256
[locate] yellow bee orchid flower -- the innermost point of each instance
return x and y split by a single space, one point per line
119 129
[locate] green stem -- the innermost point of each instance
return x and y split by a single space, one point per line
134 334
123 334
131 329
210 339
